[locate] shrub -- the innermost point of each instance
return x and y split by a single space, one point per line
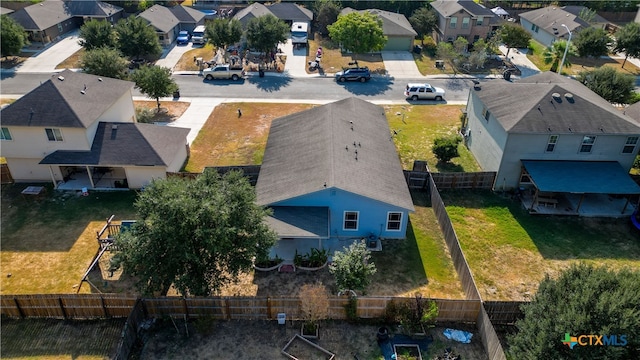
314 303
145 115
352 309
446 148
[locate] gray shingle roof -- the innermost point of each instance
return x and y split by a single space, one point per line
290 11
528 106
633 111
392 24
300 221
315 147
48 13
450 7
130 144
160 17
61 104
551 17
92 8
187 14
254 10
5 11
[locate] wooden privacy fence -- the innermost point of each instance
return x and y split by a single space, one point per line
504 312
489 337
451 239
130 332
5 174
67 306
471 180
250 171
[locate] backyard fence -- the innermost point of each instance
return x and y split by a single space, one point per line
67 306
249 171
418 178
130 333
489 337
504 312
5 174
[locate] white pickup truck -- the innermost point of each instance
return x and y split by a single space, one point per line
223 72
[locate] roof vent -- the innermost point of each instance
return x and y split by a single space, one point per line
114 127
556 97
61 78
569 97
99 79
82 92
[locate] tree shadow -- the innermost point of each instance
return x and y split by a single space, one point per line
224 82
271 83
449 167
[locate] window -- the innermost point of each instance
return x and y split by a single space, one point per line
486 113
54 134
465 22
534 28
631 143
479 21
5 134
394 220
551 145
587 143
350 220
453 23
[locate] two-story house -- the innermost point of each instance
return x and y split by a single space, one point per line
80 131
462 18
546 24
331 175
552 135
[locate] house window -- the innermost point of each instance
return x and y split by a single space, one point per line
54 134
5 134
394 220
486 113
534 28
631 143
479 21
350 220
453 23
587 143
465 22
551 145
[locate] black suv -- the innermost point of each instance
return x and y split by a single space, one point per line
361 74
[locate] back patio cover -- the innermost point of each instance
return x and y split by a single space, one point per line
581 177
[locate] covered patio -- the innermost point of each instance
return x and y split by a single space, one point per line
582 188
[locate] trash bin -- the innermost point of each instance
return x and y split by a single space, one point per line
507 75
261 72
176 94
417 49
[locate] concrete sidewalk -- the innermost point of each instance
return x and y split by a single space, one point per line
46 60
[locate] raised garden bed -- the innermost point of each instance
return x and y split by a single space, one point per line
299 348
407 352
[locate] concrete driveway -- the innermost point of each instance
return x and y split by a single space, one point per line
46 60
519 58
172 54
400 64
296 60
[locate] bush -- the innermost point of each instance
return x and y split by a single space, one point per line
145 115
352 309
314 303
446 148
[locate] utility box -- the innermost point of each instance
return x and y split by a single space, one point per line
282 318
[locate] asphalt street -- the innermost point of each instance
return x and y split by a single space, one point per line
268 87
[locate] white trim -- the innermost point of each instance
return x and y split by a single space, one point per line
400 221
344 219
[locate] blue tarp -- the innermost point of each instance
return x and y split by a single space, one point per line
580 177
458 335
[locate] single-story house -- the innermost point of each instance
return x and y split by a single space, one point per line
331 175
169 21
556 139
79 130
291 12
545 24
395 27
49 19
252 11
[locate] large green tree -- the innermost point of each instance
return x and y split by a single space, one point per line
584 300
12 36
424 20
104 62
137 38
554 54
592 42
628 41
223 32
154 81
514 36
264 33
446 52
195 234
353 268
358 32
326 12
614 86
96 34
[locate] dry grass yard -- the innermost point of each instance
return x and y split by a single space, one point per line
169 110
333 60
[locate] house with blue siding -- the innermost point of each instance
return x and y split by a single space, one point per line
332 176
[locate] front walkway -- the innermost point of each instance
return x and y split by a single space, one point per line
46 60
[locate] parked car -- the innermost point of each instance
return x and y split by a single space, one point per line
423 91
361 74
223 72
183 37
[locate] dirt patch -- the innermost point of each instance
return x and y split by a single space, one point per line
9 62
263 339
169 110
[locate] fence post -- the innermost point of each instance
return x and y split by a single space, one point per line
227 308
15 300
104 308
64 313
269 308
186 308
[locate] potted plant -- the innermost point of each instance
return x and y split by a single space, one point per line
314 306
265 263
314 260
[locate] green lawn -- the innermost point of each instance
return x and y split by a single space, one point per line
47 244
510 251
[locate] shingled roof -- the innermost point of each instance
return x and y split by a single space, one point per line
548 102
392 24
290 11
447 8
160 17
46 14
314 149
126 144
60 102
551 18
252 11
633 111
